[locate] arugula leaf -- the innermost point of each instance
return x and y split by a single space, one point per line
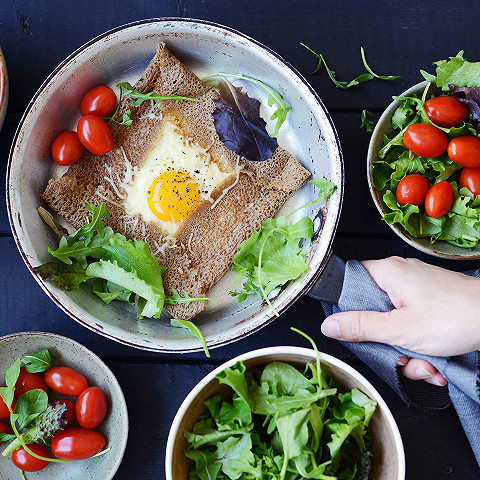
206 467
366 123
274 98
65 276
369 70
38 362
175 298
139 97
109 291
96 224
193 329
29 406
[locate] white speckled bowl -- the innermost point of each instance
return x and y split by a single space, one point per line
384 127
115 426
3 88
387 446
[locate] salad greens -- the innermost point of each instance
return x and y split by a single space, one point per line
461 225
34 420
274 98
121 269
272 255
366 123
364 77
282 424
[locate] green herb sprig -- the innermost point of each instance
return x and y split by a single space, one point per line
127 89
366 123
364 77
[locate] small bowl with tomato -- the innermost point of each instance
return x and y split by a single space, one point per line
423 170
71 409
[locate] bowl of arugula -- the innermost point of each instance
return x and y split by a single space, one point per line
284 412
454 235
37 422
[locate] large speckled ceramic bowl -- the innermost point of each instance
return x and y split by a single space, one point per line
387 446
3 88
384 127
115 426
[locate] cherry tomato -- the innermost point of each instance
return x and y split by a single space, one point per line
91 407
445 111
470 178
69 414
439 199
95 134
24 461
4 428
67 148
77 443
29 381
66 381
4 411
100 101
465 151
425 140
412 189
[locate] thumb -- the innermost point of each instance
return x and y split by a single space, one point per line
382 327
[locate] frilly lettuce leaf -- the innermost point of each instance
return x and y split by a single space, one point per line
130 280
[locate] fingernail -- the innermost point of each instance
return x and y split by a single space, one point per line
331 328
438 383
422 373
402 361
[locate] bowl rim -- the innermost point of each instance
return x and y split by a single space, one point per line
282 350
3 88
266 316
120 400
372 156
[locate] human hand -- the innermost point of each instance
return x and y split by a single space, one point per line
436 310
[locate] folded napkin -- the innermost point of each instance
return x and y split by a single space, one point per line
360 292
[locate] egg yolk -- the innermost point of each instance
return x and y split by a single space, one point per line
173 195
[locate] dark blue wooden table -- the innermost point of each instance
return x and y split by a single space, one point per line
399 38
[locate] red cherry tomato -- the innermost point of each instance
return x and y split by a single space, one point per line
100 101
95 134
4 411
67 148
412 189
445 111
465 151
91 407
4 428
425 140
77 443
439 199
66 381
29 381
470 178
69 414
24 461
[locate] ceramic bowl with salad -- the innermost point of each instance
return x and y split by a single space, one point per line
62 411
284 413
424 162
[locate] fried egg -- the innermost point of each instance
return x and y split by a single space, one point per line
175 178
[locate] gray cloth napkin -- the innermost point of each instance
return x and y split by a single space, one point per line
360 292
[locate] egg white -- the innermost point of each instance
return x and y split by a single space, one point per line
173 152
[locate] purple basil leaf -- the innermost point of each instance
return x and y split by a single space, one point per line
239 125
470 96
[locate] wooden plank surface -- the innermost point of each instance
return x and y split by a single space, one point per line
399 38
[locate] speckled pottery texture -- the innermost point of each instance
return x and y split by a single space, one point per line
384 127
3 88
387 446
115 426
121 55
